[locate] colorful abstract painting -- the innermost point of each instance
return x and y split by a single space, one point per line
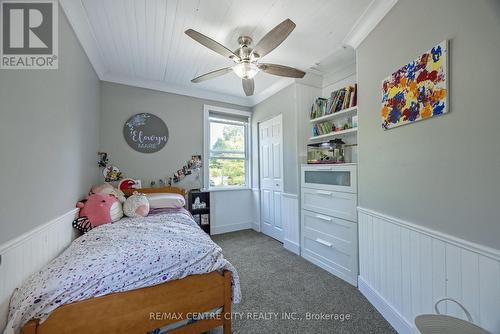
418 90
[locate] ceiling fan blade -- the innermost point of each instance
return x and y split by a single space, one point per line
274 38
211 44
248 86
211 75
282 71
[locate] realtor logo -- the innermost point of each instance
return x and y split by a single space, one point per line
29 34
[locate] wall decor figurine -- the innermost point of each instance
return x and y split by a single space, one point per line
418 90
103 159
112 173
145 133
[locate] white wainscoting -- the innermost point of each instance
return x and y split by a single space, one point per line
29 252
291 222
406 268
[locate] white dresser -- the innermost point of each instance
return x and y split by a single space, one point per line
329 229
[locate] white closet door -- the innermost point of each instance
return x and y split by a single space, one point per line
271 176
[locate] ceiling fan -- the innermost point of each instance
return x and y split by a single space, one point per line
246 58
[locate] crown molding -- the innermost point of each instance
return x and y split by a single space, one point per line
373 14
175 89
78 20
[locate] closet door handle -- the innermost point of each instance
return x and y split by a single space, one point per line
329 219
323 242
322 192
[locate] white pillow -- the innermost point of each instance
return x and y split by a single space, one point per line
166 200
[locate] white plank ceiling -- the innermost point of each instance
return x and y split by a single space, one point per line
144 41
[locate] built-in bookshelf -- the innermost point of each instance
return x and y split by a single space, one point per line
335 116
334 134
343 113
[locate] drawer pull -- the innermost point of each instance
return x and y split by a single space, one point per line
323 242
326 193
328 219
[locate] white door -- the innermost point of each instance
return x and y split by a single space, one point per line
271 176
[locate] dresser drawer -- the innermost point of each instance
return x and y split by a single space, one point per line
341 177
331 203
332 226
335 255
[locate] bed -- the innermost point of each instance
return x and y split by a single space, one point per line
177 286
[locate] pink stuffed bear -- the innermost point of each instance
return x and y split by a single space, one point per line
97 209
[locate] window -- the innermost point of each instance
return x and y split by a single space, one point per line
226 156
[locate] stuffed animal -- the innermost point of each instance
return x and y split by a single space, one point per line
136 205
107 188
128 183
97 209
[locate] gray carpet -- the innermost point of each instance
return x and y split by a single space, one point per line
276 280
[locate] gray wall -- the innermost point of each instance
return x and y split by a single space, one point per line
442 173
49 137
294 103
283 103
183 116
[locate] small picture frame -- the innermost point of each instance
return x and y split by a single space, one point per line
205 219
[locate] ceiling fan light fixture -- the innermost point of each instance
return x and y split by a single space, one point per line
245 70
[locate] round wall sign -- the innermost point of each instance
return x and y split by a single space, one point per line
145 133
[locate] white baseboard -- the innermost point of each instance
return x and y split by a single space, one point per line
22 256
231 228
291 246
387 311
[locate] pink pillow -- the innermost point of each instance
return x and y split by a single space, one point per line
166 201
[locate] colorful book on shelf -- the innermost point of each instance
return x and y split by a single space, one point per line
347 98
355 99
338 100
322 128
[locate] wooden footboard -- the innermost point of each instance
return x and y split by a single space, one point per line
143 310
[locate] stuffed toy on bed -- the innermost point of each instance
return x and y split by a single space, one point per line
107 188
97 209
136 205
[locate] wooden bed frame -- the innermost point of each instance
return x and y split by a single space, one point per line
142 310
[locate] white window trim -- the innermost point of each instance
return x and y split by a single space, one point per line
206 146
